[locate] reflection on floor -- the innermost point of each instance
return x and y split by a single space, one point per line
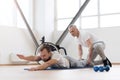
18 73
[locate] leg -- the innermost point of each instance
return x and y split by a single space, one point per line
98 62
93 57
99 49
76 63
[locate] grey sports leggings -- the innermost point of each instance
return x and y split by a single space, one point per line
98 49
74 63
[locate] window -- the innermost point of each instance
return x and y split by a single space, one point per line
109 6
66 10
9 15
97 14
91 8
89 22
110 13
26 7
110 20
6 12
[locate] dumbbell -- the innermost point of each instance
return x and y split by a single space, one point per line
101 68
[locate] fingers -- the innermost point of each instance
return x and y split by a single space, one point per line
33 69
20 56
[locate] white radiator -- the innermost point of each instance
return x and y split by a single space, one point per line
15 60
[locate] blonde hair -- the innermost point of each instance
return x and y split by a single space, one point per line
72 25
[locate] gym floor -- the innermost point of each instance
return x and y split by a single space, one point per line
18 73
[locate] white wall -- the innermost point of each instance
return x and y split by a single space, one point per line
109 35
14 40
112 40
44 18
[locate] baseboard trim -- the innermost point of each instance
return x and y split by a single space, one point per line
116 63
17 64
36 64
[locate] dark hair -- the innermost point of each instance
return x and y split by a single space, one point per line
45 46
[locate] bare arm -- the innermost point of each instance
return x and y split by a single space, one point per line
89 43
44 65
29 58
80 51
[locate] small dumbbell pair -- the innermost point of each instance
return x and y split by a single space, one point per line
101 68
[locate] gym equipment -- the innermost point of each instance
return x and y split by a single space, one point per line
101 68
26 23
96 68
55 46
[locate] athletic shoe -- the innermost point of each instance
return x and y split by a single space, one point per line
107 62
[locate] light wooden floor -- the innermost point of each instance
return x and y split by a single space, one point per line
18 73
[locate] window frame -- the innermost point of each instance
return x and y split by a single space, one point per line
99 15
15 14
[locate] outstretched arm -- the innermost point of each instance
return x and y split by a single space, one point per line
89 43
44 65
80 51
29 58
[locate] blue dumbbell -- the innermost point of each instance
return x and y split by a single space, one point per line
101 68
96 68
107 68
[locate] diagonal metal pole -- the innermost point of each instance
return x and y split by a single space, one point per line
72 22
28 27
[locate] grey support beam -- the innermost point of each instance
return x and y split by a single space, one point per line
72 22
28 27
